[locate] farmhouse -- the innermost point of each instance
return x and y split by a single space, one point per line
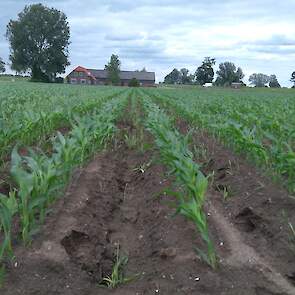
82 75
236 85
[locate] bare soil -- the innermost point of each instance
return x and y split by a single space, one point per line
258 208
116 199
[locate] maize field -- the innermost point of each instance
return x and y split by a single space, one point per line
115 190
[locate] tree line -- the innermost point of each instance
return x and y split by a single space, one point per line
227 74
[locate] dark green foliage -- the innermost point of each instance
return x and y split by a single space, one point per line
2 66
273 82
186 78
179 77
228 73
293 78
205 73
173 78
113 68
59 80
39 41
259 80
133 83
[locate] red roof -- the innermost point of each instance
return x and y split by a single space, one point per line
81 69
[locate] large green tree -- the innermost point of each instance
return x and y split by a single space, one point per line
113 69
39 41
258 79
2 66
179 77
228 73
173 78
273 82
186 78
205 73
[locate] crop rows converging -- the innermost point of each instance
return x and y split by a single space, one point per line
250 122
258 124
39 178
29 114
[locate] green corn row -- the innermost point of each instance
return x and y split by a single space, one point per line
39 178
176 155
251 122
8 208
28 126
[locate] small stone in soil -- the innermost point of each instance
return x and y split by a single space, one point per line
167 252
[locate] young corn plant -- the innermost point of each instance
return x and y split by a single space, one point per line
47 183
65 154
8 208
24 182
135 137
175 154
81 133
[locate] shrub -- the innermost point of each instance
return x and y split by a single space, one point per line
133 83
59 80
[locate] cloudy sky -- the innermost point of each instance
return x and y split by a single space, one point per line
257 35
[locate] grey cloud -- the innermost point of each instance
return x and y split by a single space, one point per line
274 49
275 45
141 51
274 40
122 37
281 40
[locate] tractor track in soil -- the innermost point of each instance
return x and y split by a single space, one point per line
251 219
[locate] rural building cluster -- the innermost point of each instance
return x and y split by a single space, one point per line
81 75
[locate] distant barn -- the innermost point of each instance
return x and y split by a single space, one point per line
236 85
85 76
